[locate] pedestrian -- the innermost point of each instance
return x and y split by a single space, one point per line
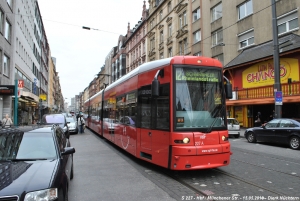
258 119
7 122
80 122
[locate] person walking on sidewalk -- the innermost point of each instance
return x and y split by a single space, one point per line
7 122
80 122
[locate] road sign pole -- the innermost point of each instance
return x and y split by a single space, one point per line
277 84
16 104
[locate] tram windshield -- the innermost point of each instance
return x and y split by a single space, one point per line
200 101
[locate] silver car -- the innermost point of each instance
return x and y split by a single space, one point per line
233 127
72 124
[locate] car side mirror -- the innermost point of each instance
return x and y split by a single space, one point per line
68 150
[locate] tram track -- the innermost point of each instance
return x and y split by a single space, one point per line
268 156
270 169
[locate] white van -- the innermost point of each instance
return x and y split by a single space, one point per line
233 127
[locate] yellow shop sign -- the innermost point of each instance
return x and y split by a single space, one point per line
262 73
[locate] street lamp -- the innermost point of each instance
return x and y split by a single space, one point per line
103 74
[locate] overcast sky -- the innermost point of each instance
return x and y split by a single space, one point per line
80 53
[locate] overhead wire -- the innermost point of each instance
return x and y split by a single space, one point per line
173 35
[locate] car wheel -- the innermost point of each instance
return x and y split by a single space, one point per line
294 142
66 197
251 137
72 172
237 136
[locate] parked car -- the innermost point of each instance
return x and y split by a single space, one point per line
282 130
72 124
60 119
233 126
36 163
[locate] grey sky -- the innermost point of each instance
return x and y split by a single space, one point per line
80 53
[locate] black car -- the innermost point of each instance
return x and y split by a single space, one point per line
282 130
35 164
60 119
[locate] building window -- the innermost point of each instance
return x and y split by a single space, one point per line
182 20
9 2
169 7
1 21
287 23
180 48
246 39
160 15
170 30
152 43
196 14
170 52
161 39
7 32
217 37
185 43
198 54
216 12
144 48
245 9
220 57
6 65
161 55
197 36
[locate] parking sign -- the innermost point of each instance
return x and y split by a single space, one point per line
278 98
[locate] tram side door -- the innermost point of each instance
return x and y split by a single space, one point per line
146 132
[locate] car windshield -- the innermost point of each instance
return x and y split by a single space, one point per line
51 119
199 98
70 120
27 146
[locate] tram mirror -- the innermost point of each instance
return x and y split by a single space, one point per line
155 88
228 90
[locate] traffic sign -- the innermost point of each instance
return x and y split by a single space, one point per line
278 98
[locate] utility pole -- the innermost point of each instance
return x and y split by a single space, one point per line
277 84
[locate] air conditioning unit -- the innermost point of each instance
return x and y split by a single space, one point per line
234 95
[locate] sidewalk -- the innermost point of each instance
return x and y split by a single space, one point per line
100 173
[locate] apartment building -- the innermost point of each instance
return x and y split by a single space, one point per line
169 29
7 42
136 45
240 34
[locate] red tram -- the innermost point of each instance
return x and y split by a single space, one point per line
170 112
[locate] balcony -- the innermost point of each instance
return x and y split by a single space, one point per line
266 94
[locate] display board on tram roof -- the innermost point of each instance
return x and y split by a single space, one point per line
194 74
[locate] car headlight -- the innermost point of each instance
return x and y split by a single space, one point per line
42 195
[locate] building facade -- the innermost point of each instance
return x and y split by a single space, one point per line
136 42
7 50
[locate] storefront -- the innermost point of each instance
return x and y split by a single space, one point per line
27 108
252 76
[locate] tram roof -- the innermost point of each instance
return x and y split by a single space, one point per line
140 69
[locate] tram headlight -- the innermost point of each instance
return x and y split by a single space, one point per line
186 140
224 138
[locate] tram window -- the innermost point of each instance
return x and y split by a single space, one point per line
145 112
120 110
163 113
130 109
